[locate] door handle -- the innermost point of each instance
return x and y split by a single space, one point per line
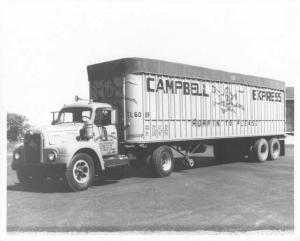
113 133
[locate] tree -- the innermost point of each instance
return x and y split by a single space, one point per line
16 126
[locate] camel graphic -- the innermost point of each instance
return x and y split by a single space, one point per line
110 90
227 100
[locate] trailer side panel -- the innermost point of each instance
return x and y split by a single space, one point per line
165 108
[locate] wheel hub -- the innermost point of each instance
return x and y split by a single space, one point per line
166 161
81 171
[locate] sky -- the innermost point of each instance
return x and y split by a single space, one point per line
46 46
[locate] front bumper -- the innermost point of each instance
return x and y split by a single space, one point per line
56 169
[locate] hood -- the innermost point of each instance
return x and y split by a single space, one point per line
61 133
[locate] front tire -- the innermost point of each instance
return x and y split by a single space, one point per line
162 161
80 172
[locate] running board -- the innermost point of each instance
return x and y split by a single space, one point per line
114 161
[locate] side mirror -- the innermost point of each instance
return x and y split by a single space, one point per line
54 117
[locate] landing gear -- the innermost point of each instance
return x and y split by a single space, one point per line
189 162
191 150
161 159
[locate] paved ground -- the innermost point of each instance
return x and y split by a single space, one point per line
239 196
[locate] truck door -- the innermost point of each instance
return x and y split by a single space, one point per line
106 131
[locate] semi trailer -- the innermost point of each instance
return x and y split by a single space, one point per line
141 111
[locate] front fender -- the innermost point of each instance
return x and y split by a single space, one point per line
68 150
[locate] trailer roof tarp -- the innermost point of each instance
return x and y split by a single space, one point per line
111 69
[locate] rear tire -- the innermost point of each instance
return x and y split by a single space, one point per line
162 161
274 148
260 150
81 171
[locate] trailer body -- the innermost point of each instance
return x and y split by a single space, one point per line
159 101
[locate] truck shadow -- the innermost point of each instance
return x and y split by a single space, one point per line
52 186
117 173
113 176
204 161
179 166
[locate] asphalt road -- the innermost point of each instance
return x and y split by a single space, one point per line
240 196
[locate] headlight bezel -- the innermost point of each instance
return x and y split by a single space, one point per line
51 156
16 156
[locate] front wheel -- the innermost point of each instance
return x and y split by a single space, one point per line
80 173
162 161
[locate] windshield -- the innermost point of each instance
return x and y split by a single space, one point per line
74 114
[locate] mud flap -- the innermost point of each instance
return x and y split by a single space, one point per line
282 147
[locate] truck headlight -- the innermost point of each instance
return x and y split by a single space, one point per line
17 156
52 156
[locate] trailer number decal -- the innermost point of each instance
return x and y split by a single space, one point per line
134 114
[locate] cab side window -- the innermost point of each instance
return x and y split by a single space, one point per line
102 117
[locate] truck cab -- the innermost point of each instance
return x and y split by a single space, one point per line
99 124
79 144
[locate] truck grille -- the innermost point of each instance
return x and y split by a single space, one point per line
33 148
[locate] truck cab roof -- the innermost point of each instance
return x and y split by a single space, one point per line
93 105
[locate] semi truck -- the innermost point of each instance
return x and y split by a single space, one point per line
142 111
